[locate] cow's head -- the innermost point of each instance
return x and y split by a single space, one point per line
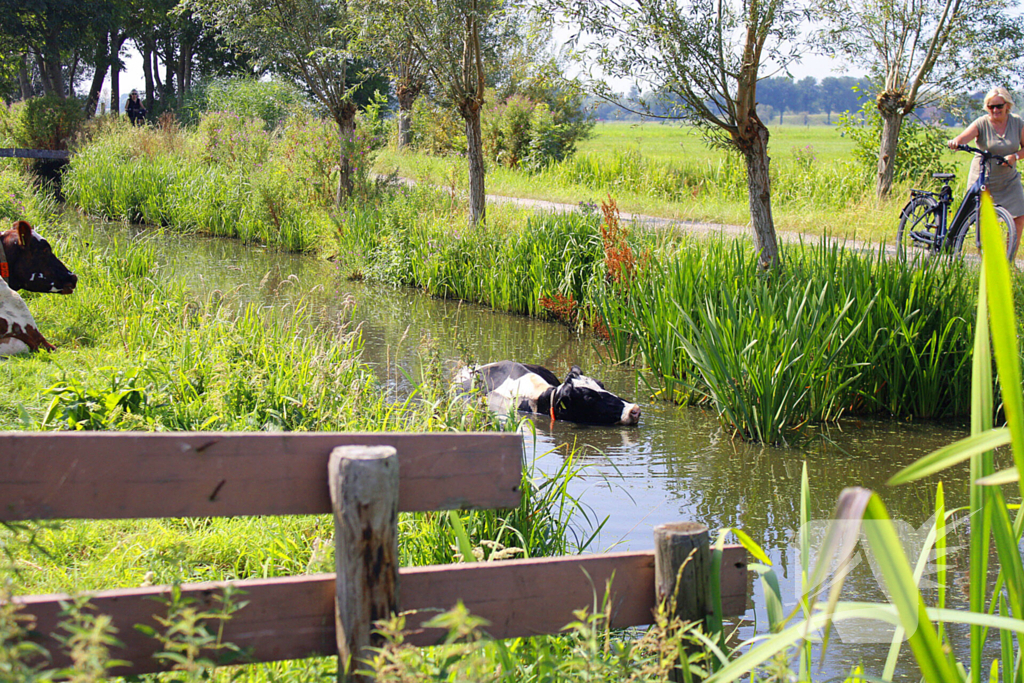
33 267
583 399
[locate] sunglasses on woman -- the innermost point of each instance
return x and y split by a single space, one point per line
996 107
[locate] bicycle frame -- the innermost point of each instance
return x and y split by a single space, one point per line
969 205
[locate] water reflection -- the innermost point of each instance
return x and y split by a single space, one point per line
679 464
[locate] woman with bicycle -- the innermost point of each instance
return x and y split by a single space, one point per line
1002 133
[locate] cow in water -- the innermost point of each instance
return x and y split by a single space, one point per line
534 389
27 262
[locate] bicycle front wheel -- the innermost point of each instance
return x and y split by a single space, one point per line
919 227
968 242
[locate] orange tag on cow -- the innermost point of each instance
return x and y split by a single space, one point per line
5 270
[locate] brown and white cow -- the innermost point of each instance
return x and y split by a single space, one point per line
31 264
18 330
27 262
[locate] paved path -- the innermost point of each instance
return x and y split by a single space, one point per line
695 227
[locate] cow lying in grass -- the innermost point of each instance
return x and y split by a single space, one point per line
27 262
18 330
534 389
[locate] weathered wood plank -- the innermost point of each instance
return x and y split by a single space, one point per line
293 617
193 474
22 153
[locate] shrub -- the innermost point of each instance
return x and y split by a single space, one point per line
918 155
523 133
48 122
269 101
229 138
436 129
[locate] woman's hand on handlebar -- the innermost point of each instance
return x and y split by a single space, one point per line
952 144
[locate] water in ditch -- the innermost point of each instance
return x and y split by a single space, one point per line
678 464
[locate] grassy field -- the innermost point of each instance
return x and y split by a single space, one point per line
669 171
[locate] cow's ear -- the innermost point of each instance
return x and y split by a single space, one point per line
574 371
24 233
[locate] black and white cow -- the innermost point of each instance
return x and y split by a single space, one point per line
534 389
31 263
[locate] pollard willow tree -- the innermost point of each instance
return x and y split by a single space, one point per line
446 34
303 40
706 55
921 53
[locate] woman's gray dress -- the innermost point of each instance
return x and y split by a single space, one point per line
1003 181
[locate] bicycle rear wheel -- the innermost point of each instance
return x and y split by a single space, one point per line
919 226
968 242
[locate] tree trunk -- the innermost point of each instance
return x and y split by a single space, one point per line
52 64
184 58
101 63
44 75
346 120
116 43
752 139
24 81
169 63
891 105
115 89
406 98
159 85
147 71
470 110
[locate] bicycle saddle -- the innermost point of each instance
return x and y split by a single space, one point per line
943 176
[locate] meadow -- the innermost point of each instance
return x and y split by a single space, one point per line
670 171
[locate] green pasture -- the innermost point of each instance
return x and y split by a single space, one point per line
673 142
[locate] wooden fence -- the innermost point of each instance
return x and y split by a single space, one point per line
126 476
21 153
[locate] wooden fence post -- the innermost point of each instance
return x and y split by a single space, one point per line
683 546
364 495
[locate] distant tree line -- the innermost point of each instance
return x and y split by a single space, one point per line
776 97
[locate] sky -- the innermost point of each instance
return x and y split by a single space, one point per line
814 65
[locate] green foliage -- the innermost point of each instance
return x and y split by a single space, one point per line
48 122
80 408
269 101
437 129
230 139
920 152
527 134
191 637
87 641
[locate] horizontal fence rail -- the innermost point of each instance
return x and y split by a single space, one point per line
21 153
217 474
293 617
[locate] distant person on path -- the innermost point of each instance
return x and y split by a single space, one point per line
1002 133
136 112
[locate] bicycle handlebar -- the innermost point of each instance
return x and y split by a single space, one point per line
985 155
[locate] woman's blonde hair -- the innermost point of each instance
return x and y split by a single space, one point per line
999 92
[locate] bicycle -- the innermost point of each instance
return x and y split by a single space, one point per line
924 220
